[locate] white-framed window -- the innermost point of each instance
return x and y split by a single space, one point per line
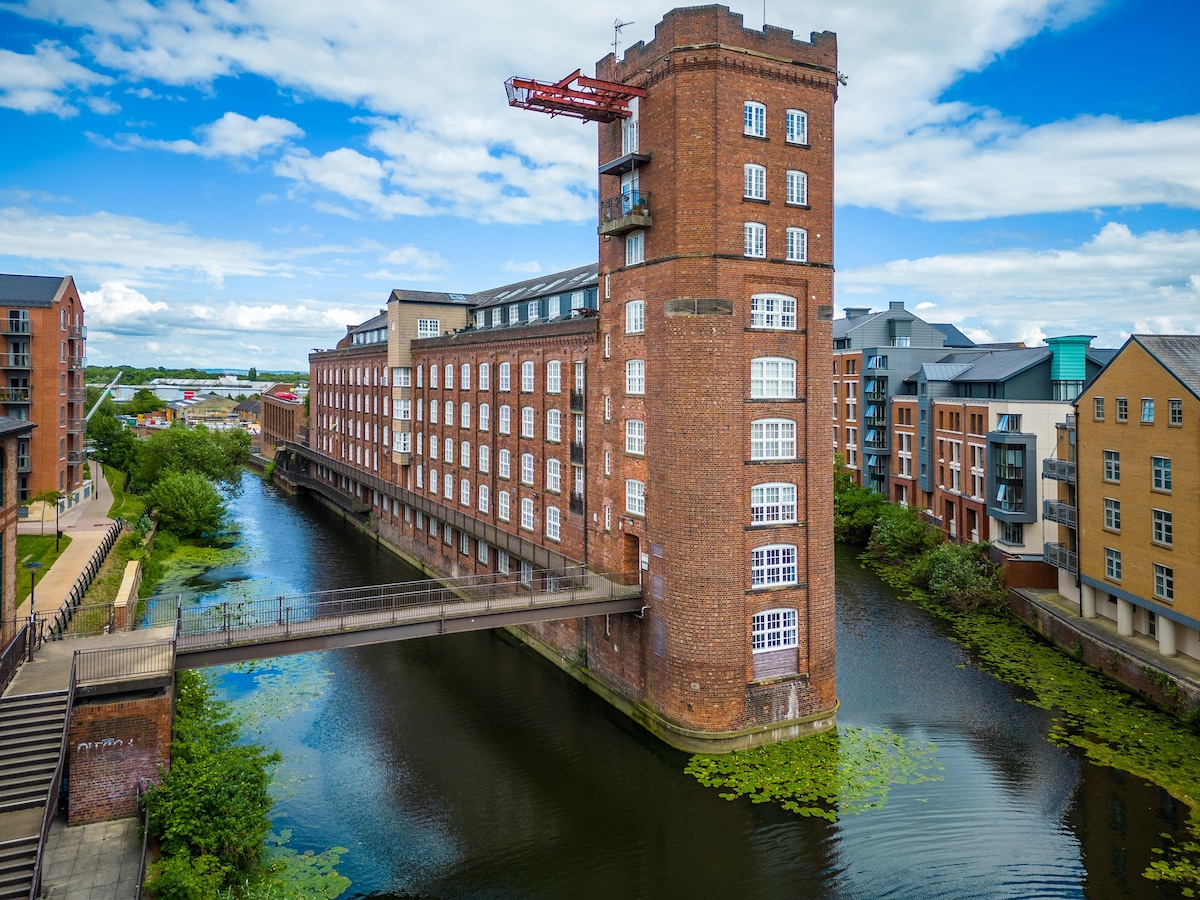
403 441
465 377
553 425
449 484
754 179
772 377
773 439
420 476
553 523
485 458
532 310
635 316
755 240
773 503
526 573
607 407
553 377
527 421
464 415
502 502
635 248
607 342
433 481
773 311
503 467
774 629
485 417
797 126
635 497
449 451
1112 465
433 376
1112 564
464 492
629 129
449 412
433 411
404 376
505 419
464 543
607 462
1160 473
1112 514
449 376
420 410
1164 583
433 446
464 454
404 410
527 520
797 245
1147 410
485 377
427 328
635 376
1175 412
773 565
505 379
635 436
797 187
527 377
553 475
754 119
1162 527
420 376
607 518
481 550
502 560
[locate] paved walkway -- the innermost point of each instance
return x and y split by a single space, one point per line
85 523
92 862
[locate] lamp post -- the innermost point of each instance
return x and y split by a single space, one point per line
32 567
57 530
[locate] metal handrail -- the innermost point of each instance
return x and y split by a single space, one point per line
143 814
55 786
12 657
66 609
113 663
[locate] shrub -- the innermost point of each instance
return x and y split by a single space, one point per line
961 576
187 504
900 534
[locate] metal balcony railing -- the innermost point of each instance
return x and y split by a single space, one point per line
1057 511
14 395
1059 556
76 362
1059 470
625 213
577 503
16 326
577 401
14 360
576 453
74 457
76 394
75 426
77 332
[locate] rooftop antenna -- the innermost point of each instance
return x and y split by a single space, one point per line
616 44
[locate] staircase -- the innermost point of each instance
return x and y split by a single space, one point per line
31 733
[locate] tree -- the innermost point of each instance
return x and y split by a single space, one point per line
252 375
961 576
187 504
115 444
47 497
217 455
144 401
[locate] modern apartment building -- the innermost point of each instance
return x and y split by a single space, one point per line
648 417
1127 472
42 381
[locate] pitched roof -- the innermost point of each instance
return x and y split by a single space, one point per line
1179 354
954 337
544 285
30 290
846 324
10 426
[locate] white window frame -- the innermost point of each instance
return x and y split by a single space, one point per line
553 523
635 248
554 475
635 497
635 377
773 503
774 629
772 377
797 188
754 119
429 328
485 417
773 439
505 378
503 510
485 376
554 377
635 437
527 376
797 127
754 240
504 464
635 316
505 424
484 457
797 244
528 520
553 425
1164 582
775 311
773 565
449 379
464 492
527 421
1162 527
754 181
527 468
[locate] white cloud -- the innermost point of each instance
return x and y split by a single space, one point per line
232 135
39 82
114 305
531 267
1021 294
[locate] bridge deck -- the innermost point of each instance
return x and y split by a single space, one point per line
235 631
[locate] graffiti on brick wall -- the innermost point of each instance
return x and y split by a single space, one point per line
103 744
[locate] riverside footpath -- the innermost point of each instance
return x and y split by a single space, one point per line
87 862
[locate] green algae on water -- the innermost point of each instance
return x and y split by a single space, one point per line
839 772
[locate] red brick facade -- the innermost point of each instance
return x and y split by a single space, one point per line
663 435
113 744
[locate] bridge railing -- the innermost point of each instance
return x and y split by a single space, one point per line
375 605
124 663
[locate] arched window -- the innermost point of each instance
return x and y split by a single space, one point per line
772 503
773 565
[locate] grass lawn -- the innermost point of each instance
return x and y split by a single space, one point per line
35 548
125 506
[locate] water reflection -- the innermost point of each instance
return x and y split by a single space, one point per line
464 766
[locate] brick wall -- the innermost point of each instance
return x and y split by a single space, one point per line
114 742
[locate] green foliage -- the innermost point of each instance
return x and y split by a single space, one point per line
187 504
129 507
855 509
962 576
838 772
901 534
218 456
294 876
209 812
115 445
36 548
132 375
144 401
269 472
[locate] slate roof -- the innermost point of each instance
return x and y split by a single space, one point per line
10 426
844 325
943 371
544 285
954 337
1179 354
30 290
372 324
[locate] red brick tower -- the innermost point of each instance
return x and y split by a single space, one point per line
716 269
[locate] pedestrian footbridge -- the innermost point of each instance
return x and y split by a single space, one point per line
236 630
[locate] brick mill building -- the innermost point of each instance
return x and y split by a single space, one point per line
647 417
41 381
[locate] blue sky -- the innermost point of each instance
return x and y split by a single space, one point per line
232 183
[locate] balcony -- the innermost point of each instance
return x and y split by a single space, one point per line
1059 556
577 503
75 457
24 464
15 395
15 360
1057 511
77 332
16 326
628 212
576 453
76 394
76 426
76 362
577 401
1059 470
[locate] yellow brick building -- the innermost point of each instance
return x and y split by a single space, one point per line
1138 456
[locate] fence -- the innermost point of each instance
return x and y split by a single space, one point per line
12 657
58 624
120 663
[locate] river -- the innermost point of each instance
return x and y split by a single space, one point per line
466 767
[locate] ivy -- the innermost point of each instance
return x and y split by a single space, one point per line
845 771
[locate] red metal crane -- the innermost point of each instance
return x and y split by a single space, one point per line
589 99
